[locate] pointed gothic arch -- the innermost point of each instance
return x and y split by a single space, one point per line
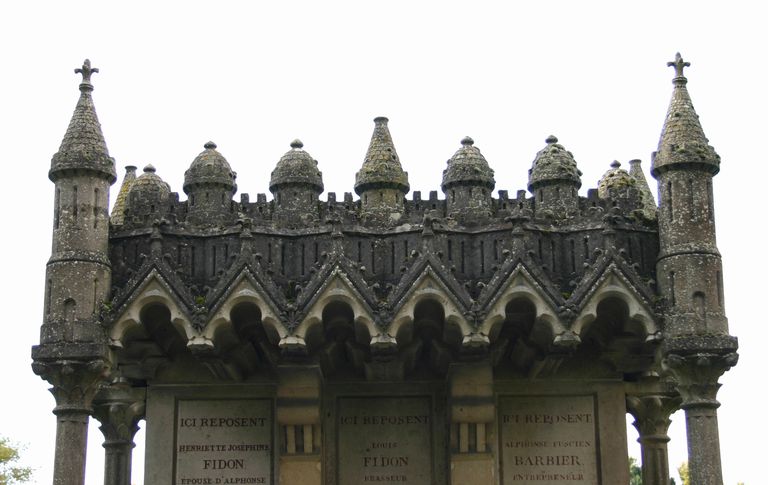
520 285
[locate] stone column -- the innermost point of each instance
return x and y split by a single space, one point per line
298 417
472 414
119 409
75 383
651 413
697 369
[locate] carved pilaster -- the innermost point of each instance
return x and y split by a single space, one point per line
651 413
697 363
119 409
472 413
298 415
75 383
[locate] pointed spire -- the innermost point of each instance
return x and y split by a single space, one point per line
682 138
118 211
381 147
83 146
381 168
649 203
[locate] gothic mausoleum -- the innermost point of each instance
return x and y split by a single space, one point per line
457 337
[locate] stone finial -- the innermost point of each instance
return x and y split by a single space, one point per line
551 139
86 71
210 146
150 168
615 164
467 141
679 65
297 143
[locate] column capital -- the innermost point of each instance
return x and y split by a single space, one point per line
75 382
651 413
119 408
696 362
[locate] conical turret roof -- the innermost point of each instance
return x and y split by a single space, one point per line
83 146
296 167
649 203
381 168
468 167
118 211
682 139
553 164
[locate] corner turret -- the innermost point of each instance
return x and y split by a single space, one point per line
73 355
697 348
381 182
296 184
467 184
554 180
82 171
689 268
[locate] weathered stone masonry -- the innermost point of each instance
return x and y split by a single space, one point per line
470 294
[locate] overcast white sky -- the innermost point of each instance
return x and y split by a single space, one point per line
253 76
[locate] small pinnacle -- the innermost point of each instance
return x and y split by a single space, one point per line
149 168
467 141
635 161
297 143
615 164
679 65
130 168
210 146
551 139
381 120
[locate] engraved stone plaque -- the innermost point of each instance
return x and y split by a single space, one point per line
227 441
384 440
548 440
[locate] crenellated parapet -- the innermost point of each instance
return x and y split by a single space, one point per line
300 257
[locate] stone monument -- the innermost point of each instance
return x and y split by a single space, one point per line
463 339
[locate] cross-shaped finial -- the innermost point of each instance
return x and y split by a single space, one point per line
679 65
86 71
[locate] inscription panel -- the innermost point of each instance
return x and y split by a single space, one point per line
548 440
223 442
384 440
